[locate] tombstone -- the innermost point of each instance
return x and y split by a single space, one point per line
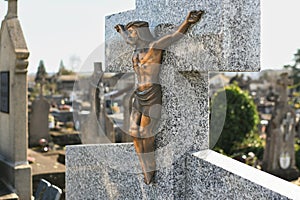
226 39
279 154
39 121
15 170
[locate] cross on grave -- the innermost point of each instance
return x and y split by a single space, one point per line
279 153
12 9
225 39
282 85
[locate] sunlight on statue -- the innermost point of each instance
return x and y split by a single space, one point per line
147 63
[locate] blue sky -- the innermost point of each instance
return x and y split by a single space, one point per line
61 29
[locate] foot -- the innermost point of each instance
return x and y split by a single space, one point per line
148 176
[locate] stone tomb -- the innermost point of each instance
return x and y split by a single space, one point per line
14 168
279 155
226 39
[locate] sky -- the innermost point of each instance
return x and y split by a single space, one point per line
70 30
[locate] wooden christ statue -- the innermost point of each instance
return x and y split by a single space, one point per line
147 62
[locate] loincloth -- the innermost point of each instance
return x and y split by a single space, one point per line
148 102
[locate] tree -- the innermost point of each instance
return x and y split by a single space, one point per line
63 70
41 73
40 77
295 70
241 117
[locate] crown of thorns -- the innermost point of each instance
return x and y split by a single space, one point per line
137 24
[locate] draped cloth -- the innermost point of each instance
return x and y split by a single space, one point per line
148 102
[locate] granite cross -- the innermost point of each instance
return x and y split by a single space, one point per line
226 39
147 62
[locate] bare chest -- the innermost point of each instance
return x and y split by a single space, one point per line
144 60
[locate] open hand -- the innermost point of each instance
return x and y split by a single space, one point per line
119 28
194 16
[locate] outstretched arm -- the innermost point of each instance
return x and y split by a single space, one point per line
121 29
192 17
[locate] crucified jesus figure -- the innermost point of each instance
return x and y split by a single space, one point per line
147 62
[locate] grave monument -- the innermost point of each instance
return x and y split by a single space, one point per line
15 170
39 122
279 154
227 39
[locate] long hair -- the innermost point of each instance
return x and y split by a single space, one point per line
142 29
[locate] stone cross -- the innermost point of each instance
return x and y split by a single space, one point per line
12 9
282 85
226 39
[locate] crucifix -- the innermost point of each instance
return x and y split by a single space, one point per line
224 40
147 61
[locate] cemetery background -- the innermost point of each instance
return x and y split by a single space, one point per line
219 81
256 141
65 83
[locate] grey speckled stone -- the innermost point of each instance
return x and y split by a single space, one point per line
226 39
94 172
102 170
210 175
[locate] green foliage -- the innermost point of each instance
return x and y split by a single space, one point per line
251 143
241 117
297 153
249 151
295 70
